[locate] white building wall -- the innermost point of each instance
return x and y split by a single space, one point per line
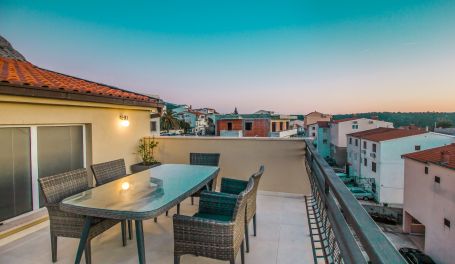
338 131
430 202
353 157
389 175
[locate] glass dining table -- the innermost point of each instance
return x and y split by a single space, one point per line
138 197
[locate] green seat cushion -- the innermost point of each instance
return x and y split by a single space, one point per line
218 217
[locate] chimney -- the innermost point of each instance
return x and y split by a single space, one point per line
445 157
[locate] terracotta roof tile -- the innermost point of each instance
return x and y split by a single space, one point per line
23 73
361 134
435 155
392 133
345 120
323 123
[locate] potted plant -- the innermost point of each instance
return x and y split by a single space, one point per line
145 149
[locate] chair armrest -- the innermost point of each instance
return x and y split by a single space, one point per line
233 186
192 229
217 203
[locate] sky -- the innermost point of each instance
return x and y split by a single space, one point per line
291 57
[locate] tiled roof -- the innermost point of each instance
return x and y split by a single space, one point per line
361 134
345 120
24 78
435 155
323 123
392 133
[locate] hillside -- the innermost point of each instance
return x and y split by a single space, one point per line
421 119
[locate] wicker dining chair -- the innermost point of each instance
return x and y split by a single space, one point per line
235 187
62 224
208 159
110 171
217 230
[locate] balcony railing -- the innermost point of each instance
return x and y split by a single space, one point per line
341 230
285 133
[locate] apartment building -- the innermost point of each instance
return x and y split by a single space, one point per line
254 125
342 127
314 117
322 139
374 157
429 204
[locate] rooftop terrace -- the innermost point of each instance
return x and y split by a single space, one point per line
305 213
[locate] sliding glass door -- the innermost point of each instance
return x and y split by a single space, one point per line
30 152
60 149
15 172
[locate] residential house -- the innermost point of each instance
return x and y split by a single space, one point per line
374 157
429 204
322 139
340 128
52 123
314 117
254 125
196 120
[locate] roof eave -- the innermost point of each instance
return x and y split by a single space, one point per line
33 91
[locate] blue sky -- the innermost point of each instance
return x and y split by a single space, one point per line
287 56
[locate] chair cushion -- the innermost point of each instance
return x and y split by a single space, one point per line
217 217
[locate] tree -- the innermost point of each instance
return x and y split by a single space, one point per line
185 126
444 124
168 121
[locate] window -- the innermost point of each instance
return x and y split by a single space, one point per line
374 147
313 128
324 141
417 147
373 166
365 162
364 144
273 127
437 179
356 142
153 127
426 170
229 126
281 126
313 134
447 222
350 141
355 126
248 126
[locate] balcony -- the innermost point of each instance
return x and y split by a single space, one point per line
305 213
231 133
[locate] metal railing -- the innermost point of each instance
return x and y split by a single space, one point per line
340 228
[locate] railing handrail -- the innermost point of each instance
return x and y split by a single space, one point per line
377 246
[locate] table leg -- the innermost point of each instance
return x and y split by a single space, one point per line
140 241
83 240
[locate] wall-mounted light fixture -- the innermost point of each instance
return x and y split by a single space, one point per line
124 120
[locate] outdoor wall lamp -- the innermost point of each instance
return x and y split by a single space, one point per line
124 120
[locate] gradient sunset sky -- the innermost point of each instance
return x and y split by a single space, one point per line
286 56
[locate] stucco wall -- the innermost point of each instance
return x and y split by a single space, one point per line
339 131
430 202
240 157
389 173
107 139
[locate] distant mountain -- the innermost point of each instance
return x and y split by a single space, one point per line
421 119
7 50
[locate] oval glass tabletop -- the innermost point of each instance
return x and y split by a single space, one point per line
143 195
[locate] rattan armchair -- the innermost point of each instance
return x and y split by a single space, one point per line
208 159
62 224
216 231
235 187
110 171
